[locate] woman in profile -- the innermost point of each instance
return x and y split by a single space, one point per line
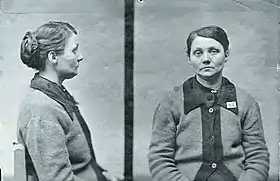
56 138
208 129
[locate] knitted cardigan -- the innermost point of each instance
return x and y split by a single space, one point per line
56 138
203 135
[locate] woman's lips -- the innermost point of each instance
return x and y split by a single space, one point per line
207 68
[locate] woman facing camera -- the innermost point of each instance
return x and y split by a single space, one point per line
208 129
56 138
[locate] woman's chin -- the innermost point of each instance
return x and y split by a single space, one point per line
209 74
70 76
206 75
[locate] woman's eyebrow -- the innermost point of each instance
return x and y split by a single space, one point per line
197 48
213 47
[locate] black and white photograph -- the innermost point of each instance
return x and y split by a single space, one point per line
61 90
139 90
206 90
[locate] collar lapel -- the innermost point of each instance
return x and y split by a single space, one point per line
227 97
194 95
53 91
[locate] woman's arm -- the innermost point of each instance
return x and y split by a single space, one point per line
46 143
254 145
161 152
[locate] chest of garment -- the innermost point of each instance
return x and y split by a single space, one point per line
76 142
203 126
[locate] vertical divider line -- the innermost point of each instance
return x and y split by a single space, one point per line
128 88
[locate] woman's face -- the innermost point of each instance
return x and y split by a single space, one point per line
68 63
207 57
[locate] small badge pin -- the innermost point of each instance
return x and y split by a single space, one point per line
231 104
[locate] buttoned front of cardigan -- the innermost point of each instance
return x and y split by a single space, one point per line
57 147
204 135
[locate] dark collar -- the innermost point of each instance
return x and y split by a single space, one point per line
55 92
194 94
62 96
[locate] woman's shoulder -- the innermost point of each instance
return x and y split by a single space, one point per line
176 93
172 94
243 94
36 98
172 99
36 104
244 97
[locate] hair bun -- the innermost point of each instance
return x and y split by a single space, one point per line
29 46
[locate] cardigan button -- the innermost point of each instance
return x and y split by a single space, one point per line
211 137
214 165
211 110
214 91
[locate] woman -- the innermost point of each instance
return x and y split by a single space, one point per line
55 136
208 129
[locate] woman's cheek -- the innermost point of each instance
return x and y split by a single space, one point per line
196 65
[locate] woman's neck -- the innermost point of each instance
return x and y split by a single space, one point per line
51 76
213 83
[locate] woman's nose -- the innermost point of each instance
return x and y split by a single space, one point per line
80 57
206 58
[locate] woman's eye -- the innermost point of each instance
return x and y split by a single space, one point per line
197 53
214 51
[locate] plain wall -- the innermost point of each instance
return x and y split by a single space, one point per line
99 85
276 2
161 28
160 63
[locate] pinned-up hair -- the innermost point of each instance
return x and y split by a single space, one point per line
51 36
214 32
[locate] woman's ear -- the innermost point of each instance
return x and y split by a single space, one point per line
188 56
52 57
189 60
226 55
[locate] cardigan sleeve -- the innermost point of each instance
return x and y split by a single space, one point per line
161 152
254 145
45 140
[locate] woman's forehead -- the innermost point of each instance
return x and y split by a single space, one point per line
203 42
72 41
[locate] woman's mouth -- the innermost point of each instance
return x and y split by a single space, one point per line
206 68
